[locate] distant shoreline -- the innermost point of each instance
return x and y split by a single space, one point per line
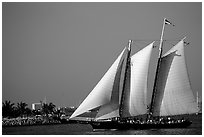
27 122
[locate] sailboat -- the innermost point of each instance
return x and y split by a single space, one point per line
121 95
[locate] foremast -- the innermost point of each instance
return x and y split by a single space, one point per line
124 108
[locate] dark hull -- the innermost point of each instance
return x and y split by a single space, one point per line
125 126
66 121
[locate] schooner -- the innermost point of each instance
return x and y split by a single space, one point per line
121 94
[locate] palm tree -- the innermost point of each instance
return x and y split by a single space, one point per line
22 108
7 109
48 108
51 107
28 111
45 109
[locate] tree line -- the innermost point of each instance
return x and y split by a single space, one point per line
10 110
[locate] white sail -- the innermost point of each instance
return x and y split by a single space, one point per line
173 91
102 92
108 111
197 101
111 109
138 86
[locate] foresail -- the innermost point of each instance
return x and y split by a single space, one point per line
139 74
174 95
108 111
102 92
111 109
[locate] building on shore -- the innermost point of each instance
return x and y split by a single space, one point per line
36 106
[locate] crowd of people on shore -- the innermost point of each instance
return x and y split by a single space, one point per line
28 121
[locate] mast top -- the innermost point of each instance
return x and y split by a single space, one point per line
129 44
183 38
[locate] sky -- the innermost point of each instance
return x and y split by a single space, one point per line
59 51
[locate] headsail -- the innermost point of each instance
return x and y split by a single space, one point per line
111 109
102 92
173 91
138 86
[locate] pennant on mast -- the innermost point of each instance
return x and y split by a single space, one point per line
168 22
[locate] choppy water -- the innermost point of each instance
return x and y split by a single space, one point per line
84 129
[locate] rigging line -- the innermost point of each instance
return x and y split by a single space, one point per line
144 42
134 40
167 42
139 44
125 44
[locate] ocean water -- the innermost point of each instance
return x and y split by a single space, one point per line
86 129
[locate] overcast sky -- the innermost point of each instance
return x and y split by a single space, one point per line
61 50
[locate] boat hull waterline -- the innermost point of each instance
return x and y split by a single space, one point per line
124 126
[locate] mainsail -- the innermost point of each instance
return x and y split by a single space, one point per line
139 76
173 94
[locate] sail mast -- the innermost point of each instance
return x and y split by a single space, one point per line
197 100
157 69
122 107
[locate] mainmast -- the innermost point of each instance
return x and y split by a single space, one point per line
158 66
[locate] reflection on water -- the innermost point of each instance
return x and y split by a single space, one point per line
82 129
149 132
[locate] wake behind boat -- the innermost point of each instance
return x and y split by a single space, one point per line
121 94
